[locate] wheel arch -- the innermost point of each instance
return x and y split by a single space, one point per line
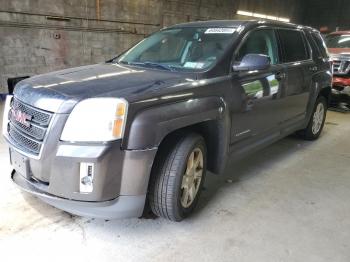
326 92
215 138
321 86
206 116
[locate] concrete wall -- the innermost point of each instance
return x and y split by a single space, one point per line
38 36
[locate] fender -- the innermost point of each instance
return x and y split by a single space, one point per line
150 127
321 82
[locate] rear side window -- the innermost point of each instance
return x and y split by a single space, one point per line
321 46
293 45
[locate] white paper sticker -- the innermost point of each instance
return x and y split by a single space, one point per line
194 65
220 30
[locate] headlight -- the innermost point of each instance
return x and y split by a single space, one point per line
5 118
96 120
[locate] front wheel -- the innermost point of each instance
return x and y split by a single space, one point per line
177 178
316 123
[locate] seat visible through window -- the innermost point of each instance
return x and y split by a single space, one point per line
261 42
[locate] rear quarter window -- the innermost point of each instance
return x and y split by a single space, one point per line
293 45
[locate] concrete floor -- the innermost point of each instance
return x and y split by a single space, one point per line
289 202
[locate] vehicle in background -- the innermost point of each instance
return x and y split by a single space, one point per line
338 44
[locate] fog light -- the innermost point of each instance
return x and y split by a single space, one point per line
86 177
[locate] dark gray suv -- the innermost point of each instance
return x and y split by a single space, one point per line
103 140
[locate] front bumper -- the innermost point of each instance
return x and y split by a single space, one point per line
341 81
340 90
116 172
120 186
121 207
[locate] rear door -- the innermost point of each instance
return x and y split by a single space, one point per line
299 68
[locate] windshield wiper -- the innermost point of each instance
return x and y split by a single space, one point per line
152 64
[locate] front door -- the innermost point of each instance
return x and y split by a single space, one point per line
259 91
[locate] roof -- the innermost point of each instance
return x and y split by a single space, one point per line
213 23
233 23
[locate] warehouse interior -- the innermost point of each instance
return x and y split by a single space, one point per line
286 202
42 36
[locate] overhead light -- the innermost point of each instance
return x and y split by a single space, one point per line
264 16
259 15
240 12
270 17
283 19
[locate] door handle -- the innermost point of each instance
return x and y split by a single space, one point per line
313 68
280 76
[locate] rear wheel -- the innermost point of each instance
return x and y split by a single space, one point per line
177 178
316 123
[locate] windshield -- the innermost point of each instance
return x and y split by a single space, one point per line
181 48
338 41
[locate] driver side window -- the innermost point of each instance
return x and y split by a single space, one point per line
261 42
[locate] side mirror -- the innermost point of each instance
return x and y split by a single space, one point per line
251 62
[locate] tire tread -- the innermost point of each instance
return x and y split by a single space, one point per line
162 193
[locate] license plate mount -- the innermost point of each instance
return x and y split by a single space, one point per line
20 163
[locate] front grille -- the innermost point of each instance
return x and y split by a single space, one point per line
38 116
23 141
33 130
341 67
28 136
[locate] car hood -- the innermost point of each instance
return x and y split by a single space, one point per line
339 51
59 91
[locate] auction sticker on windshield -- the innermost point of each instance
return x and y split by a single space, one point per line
220 31
194 65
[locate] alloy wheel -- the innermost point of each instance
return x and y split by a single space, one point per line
192 178
318 118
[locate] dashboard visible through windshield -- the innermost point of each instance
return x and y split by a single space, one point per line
188 48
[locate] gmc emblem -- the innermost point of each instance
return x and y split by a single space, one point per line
21 117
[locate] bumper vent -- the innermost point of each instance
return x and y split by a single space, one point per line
27 126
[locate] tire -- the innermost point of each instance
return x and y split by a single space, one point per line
174 180
317 120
